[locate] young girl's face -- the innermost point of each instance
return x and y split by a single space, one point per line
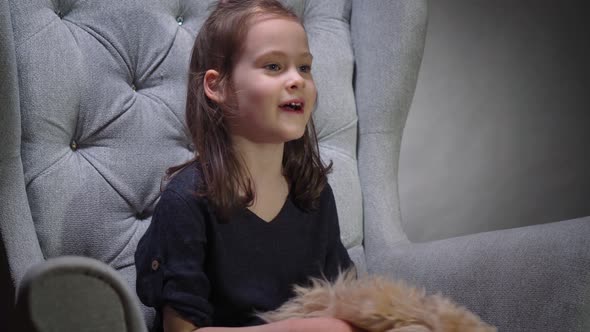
272 79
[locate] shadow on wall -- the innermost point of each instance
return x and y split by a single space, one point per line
497 136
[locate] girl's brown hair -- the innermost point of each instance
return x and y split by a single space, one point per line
217 47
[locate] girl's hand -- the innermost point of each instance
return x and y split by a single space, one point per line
320 324
338 325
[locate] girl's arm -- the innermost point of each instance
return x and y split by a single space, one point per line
173 322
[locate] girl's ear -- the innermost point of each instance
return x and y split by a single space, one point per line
212 86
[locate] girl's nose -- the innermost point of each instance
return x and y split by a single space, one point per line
295 80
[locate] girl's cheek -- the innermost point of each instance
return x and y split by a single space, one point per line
260 93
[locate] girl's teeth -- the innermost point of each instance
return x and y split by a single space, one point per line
294 106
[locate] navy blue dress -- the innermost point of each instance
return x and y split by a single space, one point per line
219 274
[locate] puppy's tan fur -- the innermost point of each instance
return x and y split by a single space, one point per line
375 304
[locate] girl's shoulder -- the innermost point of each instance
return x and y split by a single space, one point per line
186 180
183 190
326 194
327 190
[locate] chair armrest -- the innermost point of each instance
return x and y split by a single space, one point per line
71 293
534 278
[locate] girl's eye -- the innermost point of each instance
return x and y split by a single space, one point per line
305 68
273 67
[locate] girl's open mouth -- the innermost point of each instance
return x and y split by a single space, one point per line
293 106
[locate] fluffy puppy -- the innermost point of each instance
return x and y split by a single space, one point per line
376 304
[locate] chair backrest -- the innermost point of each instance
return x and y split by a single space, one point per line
93 113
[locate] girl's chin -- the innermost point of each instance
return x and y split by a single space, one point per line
294 135
283 135
286 135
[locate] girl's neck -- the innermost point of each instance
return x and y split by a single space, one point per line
264 161
265 167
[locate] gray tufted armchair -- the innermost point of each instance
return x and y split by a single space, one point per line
92 112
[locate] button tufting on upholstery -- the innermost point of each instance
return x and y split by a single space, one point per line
190 147
60 14
180 20
141 215
73 145
133 87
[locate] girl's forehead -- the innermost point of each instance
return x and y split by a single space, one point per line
260 16
275 31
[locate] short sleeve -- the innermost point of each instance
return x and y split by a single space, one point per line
337 258
170 257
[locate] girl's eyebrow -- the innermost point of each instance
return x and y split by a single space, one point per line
283 54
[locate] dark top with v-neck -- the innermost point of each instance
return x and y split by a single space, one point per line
220 274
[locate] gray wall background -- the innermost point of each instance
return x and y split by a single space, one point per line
498 135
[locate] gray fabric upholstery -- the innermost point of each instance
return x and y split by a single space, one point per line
77 294
92 114
15 215
388 39
534 278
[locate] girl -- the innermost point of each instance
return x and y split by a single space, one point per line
252 214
